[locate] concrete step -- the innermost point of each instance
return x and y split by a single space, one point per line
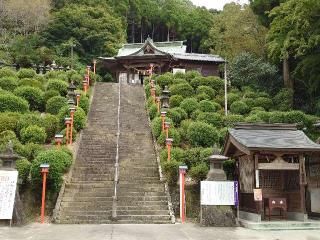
138 212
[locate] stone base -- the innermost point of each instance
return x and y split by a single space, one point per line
217 216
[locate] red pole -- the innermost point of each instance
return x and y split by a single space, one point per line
169 144
163 115
67 134
182 172
44 179
71 126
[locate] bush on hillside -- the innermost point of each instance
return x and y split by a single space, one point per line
283 100
233 97
199 172
58 85
214 119
239 107
184 125
177 154
207 90
197 155
177 115
202 96
12 103
264 102
171 171
74 135
182 89
201 134
79 121
84 103
54 104
179 81
7 72
26 73
9 121
31 150
153 111
147 89
156 125
164 80
6 136
179 75
175 101
34 134
277 117
190 75
30 82
50 94
34 96
59 162
8 83
173 133
231 119
57 75
189 105
51 125
207 106
253 118
23 166
214 82
29 119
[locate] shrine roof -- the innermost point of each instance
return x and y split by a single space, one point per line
198 57
269 137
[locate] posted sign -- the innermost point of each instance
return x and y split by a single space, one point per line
219 193
8 184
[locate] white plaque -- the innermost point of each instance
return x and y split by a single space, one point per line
8 184
218 193
178 70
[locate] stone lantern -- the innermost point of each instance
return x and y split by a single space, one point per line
165 97
216 172
9 158
71 89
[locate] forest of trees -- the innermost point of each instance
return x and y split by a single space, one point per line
269 44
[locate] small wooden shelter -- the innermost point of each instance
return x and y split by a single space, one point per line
281 163
133 60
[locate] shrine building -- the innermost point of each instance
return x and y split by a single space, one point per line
133 61
278 169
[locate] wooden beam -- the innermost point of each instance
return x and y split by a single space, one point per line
302 183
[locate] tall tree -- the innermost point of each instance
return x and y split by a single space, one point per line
262 8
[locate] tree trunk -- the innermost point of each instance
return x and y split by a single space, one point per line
141 32
288 82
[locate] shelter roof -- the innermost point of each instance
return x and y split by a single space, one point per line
268 137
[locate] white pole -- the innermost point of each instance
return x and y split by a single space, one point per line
225 89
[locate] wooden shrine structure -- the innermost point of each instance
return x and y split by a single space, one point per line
278 169
133 60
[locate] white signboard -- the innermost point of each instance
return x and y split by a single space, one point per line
219 193
178 70
8 184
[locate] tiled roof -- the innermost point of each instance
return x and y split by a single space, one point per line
198 57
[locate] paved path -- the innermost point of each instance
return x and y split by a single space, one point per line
147 232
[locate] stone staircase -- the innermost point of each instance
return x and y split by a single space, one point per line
88 195
141 198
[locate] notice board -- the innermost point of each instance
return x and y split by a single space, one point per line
8 184
219 193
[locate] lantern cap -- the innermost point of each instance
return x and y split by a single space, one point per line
183 167
72 108
163 113
44 165
169 140
58 135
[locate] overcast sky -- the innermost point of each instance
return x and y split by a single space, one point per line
217 4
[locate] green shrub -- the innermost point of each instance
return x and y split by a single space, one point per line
150 102
202 96
51 125
156 125
179 81
175 101
31 150
12 103
265 116
147 90
153 111
295 116
58 85
207 90
214 119
74 135
182 89
80 119
253 118
76 78
26 73
184 125
189 105
231 119
164 80
255 110
173 133
175 116
171 171
7 72
214 82
6 136
56 75
251 102
283 100
233 97
8 121
207 106
34 134
29 119
23 166
195 114
277 117
50 94
217 106
34 96
182 112
29 82
8 83
194 156
222 135
264 102
190 75
179 75
239 107
199 172
201 134
59 162
84 103
54 104
177 154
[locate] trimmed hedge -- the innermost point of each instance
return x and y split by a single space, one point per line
207 106
283 100
214 119
80 117
7 72
30 82
9 121
156 125
58 85
201 134
23 166
164 80
182 89
175 101
173 133
177 154
49 94
12 103
197 155
207 90
8 83
153 111
189 105
59 161
171 171
199 172
84 103
34 96
239 107
54 104
34 134
51 125
231 119
26 73
29 119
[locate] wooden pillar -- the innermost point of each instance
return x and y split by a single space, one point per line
259 204
128 75
303 182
